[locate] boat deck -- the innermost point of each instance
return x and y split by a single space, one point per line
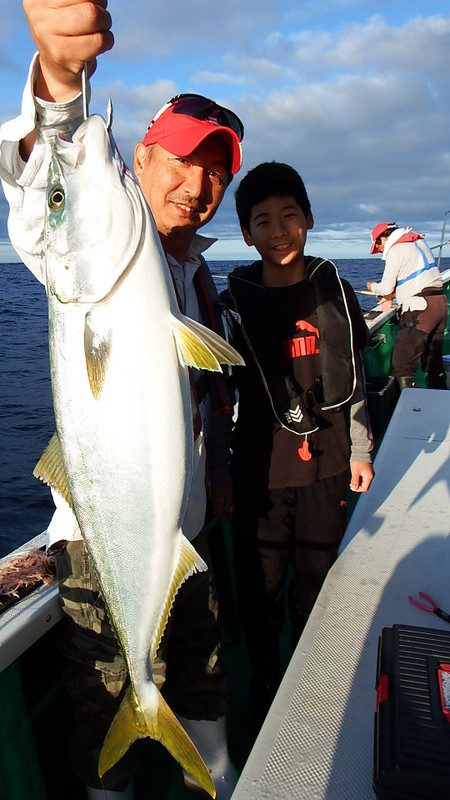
317 741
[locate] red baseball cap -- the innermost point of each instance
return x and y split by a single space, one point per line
377 231
181 134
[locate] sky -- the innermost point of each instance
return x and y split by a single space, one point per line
355 95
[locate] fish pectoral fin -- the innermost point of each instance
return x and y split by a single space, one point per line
131 723
51 470
192 351
188 562
200 347
97 350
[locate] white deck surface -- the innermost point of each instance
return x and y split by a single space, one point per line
317 740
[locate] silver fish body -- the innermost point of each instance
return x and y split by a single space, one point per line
119 354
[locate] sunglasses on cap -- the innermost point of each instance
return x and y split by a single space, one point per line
199 107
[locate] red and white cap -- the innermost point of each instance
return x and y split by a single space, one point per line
377 231
181 134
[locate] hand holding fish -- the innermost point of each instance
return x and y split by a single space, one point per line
67 34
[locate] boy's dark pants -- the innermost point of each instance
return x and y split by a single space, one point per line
187 670
272 530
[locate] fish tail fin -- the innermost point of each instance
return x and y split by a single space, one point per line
131 723
200 347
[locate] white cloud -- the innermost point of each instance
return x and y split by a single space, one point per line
209 77
367 208
134 107
358 102
170 26
374 137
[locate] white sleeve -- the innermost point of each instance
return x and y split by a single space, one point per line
63 524
389 280
24 184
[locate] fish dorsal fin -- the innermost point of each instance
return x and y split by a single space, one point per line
200 347
51 470
188 562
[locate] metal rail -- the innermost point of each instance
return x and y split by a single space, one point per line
442 244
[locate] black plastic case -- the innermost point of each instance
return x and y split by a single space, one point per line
412 718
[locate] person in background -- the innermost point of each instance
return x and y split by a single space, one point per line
302 426
412 275
184 163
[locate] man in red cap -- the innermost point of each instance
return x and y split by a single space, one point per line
184 164
411 273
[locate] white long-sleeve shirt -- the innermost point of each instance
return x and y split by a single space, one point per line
410 267
24 184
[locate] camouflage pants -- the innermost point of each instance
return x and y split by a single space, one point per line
187 668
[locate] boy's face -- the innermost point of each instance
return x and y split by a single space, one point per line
278 230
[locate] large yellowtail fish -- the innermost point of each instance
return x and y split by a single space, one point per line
119 353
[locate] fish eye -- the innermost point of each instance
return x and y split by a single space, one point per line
56 198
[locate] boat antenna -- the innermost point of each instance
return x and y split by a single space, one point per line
442 244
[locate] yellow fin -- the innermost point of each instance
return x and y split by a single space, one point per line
200 347
97 350
50 469
188 562
131 723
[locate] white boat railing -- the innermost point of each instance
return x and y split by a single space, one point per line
25 622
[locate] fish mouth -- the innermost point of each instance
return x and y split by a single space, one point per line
62 300
66 300
67 294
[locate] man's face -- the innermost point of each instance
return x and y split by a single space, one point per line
382 243
183 193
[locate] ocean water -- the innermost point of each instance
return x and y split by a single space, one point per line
26 414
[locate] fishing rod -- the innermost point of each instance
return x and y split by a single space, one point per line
436 246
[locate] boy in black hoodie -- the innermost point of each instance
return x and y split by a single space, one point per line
302 426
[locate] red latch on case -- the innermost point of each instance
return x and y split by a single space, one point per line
444 689
383 689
